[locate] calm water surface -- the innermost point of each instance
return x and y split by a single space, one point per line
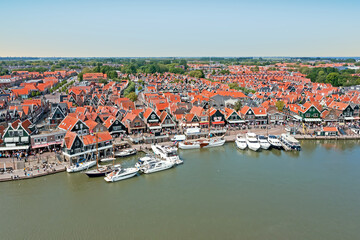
219 193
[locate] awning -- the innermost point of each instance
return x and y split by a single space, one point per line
155 127
349 118
312 119
219 122
204 123
297 117
40 145
14 148
236 121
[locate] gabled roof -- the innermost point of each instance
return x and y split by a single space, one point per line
68 123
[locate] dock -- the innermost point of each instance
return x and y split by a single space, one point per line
19 174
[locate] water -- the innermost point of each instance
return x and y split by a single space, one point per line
219 193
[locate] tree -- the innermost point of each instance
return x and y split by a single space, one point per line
80 76
333 78
238 105
132 96
197 74
280 105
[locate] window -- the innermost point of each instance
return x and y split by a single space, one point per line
307 115
21 133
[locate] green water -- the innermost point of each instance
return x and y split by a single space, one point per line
219 193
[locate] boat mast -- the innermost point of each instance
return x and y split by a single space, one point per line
97 151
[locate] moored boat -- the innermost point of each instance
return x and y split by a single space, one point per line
157 166
107 159
167 152
252 141
80 166
126 152
121 174
264 144
102 170
202 143
274 142
289 142
240 142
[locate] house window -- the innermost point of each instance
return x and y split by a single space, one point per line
21 133
315 115
307 115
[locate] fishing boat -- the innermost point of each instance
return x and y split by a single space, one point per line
80 166
102 170
167 152
126 152
157 166
274 142
252 141
289 142
264 144
240 142
121 174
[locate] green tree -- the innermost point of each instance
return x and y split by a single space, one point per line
132 96
333 79
197 74
280 105
238 105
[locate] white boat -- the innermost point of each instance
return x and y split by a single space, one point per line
121 174
126 152
80 166
274 142
178 138
252 141
146 160
202 143
107 159
157 166
240 142
167 152
264 144
289 142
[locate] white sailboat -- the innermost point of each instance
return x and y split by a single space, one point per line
252 141
240 142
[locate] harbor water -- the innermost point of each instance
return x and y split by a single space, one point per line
218 193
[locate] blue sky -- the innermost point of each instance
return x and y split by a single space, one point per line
158 28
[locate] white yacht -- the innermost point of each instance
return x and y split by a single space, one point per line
274 142
202 143
80 166
157 166
264 144
167 152
121 174
148 159
241 142
252 141
289 142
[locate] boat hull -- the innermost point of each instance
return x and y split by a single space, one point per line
81 167
241 146
124 176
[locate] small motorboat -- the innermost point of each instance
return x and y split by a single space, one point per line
102 170
126 152
121 174
157 166
241 142
80 166
107 159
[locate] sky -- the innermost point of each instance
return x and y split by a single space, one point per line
159 28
